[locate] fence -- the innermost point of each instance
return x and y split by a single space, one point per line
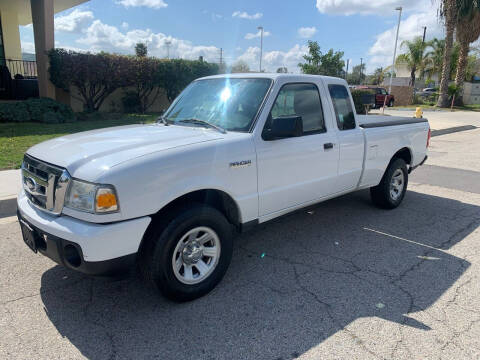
25 68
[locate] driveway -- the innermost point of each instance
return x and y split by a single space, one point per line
339 280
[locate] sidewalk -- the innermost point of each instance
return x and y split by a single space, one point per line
10 185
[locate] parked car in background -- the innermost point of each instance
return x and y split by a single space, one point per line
380 94
426 92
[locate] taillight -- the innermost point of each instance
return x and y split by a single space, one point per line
428 137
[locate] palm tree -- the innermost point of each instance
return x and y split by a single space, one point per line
468 31
414 57
434 58
448 11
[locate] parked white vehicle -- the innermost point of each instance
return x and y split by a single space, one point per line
230 152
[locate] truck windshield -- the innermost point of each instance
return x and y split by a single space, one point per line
230 103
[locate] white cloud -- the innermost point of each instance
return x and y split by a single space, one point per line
245 15
125 25
381 51
154 4
28 47
272 60
73 22
307 32
104 37
349 7
250 36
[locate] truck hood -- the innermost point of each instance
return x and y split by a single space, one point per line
105 148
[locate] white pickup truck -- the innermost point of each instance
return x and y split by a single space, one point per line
230 152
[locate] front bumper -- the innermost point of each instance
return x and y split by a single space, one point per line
96 249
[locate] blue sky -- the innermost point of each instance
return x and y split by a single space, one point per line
360 29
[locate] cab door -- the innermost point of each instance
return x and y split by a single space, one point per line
297 170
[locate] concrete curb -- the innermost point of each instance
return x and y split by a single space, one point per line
8 207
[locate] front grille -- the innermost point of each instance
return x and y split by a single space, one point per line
45 185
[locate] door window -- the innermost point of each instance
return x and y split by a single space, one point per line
300 100
343 107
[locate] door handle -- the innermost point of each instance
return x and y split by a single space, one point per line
327 146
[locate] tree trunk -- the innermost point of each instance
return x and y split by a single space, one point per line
450 20
412 75
461 69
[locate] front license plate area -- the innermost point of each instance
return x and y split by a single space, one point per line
29 235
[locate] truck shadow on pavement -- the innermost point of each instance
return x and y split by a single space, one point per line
292 284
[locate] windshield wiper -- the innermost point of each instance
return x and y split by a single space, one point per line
204 123
163 120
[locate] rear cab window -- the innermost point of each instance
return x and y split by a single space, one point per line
343 107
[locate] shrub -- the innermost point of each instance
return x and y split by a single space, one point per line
36 110
14 112
95 76
131 102
362 97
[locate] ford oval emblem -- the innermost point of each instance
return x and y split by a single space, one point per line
31 184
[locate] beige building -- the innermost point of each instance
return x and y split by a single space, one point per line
40 13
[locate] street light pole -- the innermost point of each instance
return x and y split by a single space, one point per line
424 33
399 9
261 45
168 43
361 71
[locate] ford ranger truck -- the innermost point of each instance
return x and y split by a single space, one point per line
231 151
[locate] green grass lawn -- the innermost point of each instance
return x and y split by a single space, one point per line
16 138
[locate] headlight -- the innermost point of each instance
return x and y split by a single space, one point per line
93 198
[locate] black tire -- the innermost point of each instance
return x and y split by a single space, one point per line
381 195
156 255
391 103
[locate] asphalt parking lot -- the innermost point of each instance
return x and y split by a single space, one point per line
340 280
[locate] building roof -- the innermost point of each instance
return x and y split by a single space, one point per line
22 8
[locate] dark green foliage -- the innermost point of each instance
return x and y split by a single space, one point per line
131 102
37 110
329 64
358 96
14 112
96 76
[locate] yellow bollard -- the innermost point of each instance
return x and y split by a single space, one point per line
419 113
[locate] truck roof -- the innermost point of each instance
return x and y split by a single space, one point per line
277 76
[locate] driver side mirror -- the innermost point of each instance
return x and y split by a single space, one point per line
283 127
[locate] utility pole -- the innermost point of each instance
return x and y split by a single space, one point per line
399 9
221 56
167 44
424 33
361 70
346 72
261 45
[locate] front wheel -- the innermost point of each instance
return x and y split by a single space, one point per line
187 258
391 103
391 190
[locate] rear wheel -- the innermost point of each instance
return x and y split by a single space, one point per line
391 190
187 258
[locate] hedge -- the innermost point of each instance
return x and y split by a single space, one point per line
43 110
96 76
358 99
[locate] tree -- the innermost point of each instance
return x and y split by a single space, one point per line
377 77
448 11
141 49
434 58
356 76
145 79
240 67
468 31
282 70
330 64
94 76
414 57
